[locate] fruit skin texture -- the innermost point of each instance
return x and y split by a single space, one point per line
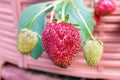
61 41
97 19
27 41
104 7
93 50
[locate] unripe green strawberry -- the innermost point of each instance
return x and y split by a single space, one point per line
27 41
93 50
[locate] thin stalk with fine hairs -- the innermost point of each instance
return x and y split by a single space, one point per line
39 13
92 3
52 13
63 10
80 15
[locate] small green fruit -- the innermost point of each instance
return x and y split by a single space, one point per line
27 41
93 50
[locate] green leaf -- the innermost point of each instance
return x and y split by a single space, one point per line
59 16
25 20
75 24
66 18
28 14
49 10
87 14
39 24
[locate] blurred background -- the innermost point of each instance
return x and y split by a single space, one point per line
14 66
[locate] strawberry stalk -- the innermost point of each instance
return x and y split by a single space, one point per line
63 10
45 9
80 15
52 13
92 3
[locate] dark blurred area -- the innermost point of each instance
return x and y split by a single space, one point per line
12 72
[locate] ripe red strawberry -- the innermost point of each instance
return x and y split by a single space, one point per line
61 41
104 7
97 19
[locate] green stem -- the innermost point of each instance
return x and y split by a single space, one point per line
39 13
80 15
38 35
63 10
52 13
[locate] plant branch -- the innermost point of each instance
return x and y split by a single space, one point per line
63 10
80 15
52 13
39 13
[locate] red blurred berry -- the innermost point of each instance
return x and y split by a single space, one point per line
104 7
97 19
61 41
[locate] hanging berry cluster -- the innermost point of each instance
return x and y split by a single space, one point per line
103 8
69 30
